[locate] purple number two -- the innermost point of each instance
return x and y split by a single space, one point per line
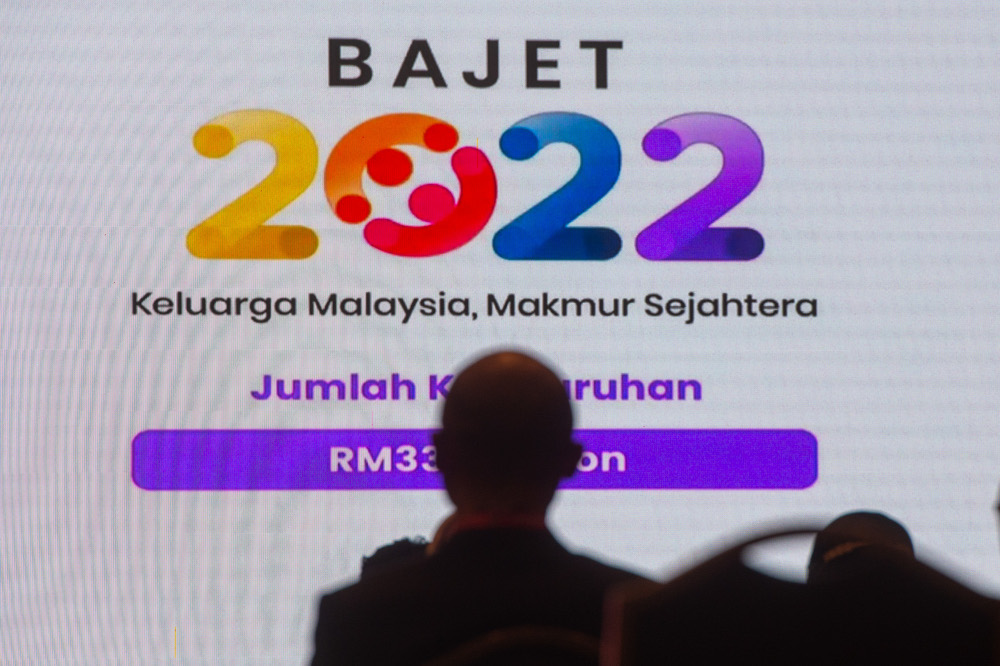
685 232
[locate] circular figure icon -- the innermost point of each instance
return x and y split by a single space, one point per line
449 223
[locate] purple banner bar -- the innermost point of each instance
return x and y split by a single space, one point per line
404 459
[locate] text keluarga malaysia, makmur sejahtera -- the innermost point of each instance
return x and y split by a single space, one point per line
405 309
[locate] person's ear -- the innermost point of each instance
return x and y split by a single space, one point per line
442 452
572 458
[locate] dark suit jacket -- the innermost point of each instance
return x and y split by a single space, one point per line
479 581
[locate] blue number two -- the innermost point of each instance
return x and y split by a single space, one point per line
541 231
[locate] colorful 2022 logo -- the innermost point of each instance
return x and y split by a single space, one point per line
543 232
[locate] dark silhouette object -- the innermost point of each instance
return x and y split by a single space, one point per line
504 445
396 554
506 437
844 548
996 509
722 612
524 646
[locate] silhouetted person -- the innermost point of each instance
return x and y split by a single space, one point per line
996 509
853 545
888 609
393 555
504 445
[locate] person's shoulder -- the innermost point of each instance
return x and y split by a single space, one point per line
351 619
604 570
376 586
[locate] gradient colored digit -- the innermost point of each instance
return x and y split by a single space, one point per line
237 231
684 233
540 232
449 224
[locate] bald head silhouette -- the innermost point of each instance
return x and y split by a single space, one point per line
506 436
841 548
